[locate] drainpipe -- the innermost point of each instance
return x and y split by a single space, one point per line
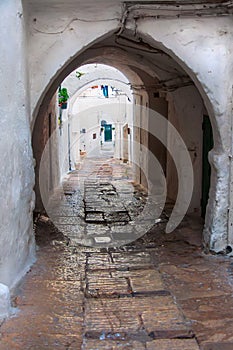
69 157
60 116
230 207
50 154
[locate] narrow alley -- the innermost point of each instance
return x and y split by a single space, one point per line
99 284
116 182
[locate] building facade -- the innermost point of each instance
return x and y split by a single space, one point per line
177 58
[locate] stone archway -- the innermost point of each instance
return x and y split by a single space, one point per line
216 227
195 40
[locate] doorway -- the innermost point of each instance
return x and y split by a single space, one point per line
206 169
108 132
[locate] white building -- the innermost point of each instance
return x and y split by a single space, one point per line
178 60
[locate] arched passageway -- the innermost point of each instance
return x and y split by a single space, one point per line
160 84
177 59
163 65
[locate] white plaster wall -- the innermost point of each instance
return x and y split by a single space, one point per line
89 109
186 114
204 48
62 140
136 149
46 151
158 150
17 171
55 38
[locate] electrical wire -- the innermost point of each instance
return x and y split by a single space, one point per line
79 20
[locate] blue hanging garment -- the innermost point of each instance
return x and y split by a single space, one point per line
105 90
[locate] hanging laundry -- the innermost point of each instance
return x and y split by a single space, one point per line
105 90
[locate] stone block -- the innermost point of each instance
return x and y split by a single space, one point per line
93 344
102 239
173 344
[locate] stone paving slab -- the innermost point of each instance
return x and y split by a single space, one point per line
218 346
146 280
91 344
109 316
68 220
71 229
28 340
117 215
101 203
155 314
124 237
99 261
52 286
101 230
119 261
106 286
174 344
68 212
123 283
95 216
167 323
132 259
102 240
52 324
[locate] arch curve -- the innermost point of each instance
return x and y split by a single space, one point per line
140 68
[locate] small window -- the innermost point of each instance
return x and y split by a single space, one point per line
94 136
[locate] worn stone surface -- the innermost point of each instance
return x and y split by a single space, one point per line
175 344
90 344
93 211
159 292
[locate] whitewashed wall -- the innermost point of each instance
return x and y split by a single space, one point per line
89 109
204 48
186 114
17 244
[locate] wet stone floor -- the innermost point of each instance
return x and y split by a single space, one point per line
99 282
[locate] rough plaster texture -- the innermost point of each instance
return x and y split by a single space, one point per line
5 304
17 176
45 127
158 150
186 114
62 45
204 47
140 137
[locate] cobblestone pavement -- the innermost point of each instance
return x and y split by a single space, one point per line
158 292
99 206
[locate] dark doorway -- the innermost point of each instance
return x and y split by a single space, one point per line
108 132
206 169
